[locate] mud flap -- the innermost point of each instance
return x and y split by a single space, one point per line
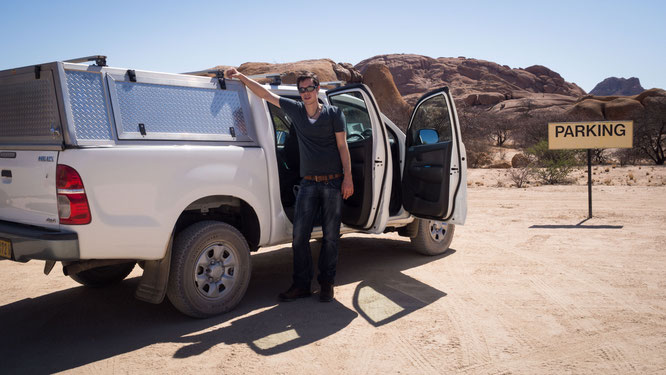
153 284
410 230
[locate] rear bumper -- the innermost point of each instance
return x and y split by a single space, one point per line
29 242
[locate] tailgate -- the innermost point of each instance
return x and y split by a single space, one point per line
30 139
28 187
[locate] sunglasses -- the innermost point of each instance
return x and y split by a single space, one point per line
307 89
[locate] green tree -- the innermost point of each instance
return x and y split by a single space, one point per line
552 166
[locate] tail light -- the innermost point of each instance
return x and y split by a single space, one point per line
73 205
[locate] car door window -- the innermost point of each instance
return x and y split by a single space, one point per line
431 122
356 113
282 125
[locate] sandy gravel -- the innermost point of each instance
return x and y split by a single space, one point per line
529 287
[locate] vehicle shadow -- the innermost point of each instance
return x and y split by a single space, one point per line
67 329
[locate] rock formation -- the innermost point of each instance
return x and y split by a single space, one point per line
520 161
618 86
475 82
378 77
326 69
595 108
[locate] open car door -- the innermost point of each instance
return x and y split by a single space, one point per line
368 148
434 182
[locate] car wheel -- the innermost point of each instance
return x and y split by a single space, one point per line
432 237
103 276
210 269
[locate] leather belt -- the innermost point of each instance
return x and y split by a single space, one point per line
327 177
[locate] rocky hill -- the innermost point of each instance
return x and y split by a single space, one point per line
477 85
475 82
618 86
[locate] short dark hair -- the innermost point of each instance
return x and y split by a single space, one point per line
306 75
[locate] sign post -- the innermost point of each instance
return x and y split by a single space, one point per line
589 183
590 135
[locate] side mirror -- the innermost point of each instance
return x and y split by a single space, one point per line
428 136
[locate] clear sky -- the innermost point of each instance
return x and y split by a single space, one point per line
584 41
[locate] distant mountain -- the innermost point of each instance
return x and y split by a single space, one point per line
618 86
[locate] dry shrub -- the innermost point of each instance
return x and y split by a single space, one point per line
520 176
628 156
481 124
478 154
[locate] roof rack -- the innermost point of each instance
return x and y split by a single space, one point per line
276 78
202 72
335 84
100 60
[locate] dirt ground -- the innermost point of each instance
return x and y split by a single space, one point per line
529 286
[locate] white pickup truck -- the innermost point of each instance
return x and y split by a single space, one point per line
103 168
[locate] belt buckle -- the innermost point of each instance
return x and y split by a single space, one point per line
320 178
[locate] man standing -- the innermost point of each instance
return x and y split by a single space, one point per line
326 180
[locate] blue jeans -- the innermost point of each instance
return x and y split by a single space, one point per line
313 198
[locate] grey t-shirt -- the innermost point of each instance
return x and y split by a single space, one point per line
318 149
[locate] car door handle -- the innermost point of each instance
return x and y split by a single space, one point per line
6 173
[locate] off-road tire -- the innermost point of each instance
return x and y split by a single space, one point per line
103 276
200 289
432 237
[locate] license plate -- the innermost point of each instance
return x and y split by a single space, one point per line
5 249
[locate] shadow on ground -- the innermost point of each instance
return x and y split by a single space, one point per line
577 226
67 329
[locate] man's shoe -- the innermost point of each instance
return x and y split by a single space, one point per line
294 292
326 292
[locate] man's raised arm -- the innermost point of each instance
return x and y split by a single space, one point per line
254 86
